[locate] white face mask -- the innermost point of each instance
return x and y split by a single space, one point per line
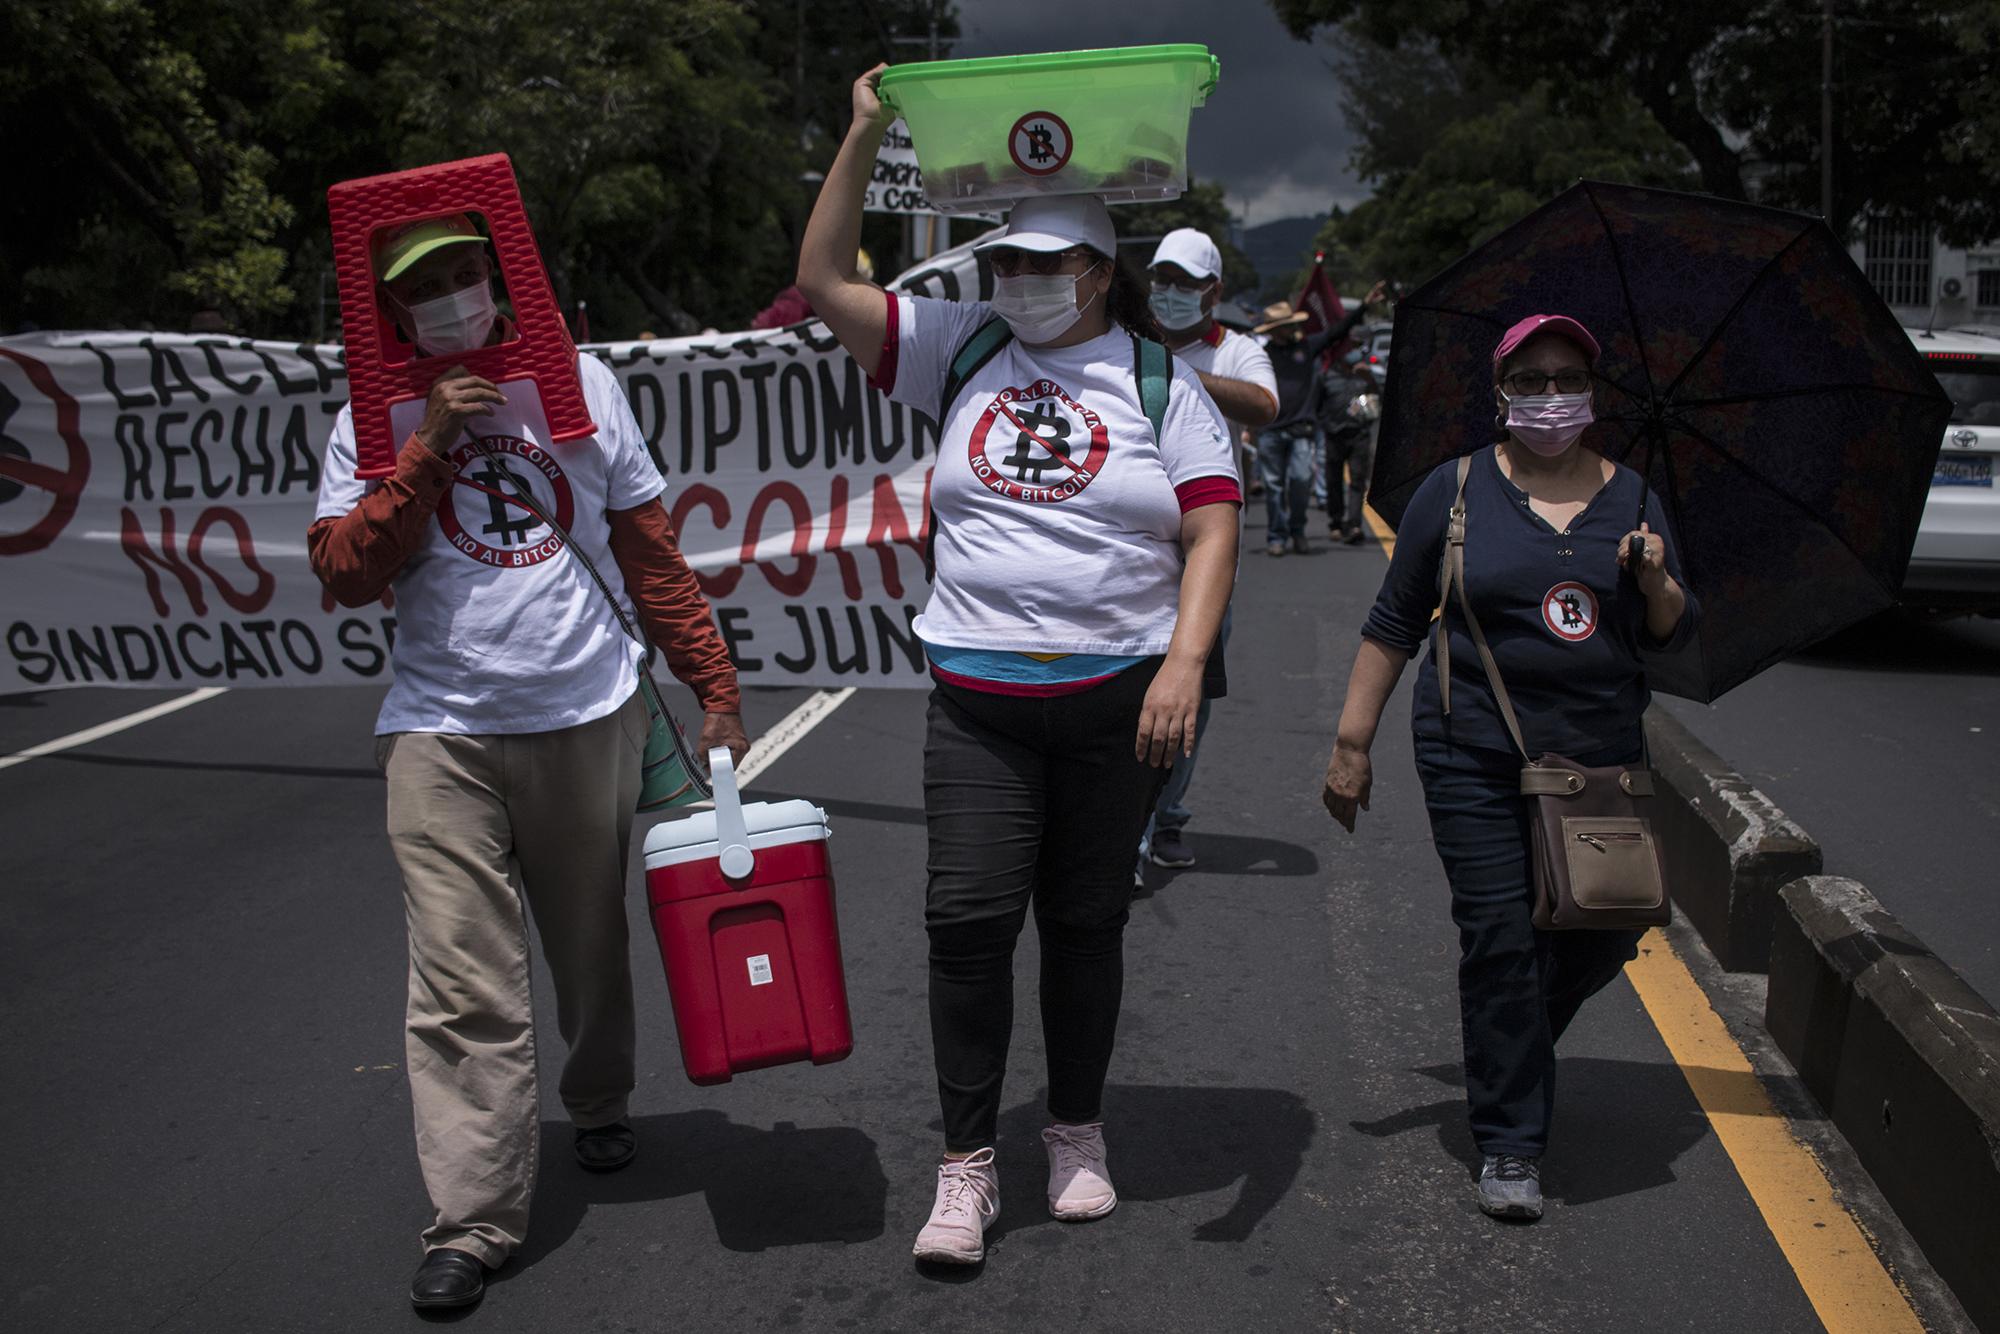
1039 307
455 322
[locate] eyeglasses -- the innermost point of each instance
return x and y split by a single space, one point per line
1181 284
1008 261
1523 383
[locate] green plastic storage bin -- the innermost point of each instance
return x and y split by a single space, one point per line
1111 123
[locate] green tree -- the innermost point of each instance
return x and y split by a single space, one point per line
1736 84
1487 155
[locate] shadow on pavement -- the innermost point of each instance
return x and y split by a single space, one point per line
1167 1142
218 766
1619 1125
765 1189
1901 641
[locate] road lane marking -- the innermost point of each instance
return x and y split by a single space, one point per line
1849 1287
116 725
789 730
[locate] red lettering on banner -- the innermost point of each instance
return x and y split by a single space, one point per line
836 529
132 538
888 526
800 579
259 596
708 498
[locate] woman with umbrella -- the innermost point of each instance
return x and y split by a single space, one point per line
1569 584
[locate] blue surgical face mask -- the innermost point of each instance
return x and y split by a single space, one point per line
1176 307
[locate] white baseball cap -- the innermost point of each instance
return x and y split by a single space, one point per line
1048 223
1191 250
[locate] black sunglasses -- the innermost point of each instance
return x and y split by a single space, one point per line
1007 261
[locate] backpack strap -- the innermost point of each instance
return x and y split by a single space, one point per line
984 344
1153 366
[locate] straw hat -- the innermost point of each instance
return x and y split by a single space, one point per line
1279 314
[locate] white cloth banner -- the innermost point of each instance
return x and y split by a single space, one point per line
155 491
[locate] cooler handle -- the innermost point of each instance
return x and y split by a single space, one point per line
732 839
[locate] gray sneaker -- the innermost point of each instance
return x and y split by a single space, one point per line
1510 1186
1170 849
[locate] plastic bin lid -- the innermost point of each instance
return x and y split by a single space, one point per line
1054 60
759 818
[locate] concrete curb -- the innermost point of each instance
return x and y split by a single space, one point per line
1732 848
1905 1058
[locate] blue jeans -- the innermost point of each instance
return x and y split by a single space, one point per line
1170 812
1518 988
1286 463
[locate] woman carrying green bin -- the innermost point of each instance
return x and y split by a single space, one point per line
1085 528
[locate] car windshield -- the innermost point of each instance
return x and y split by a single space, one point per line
1975 394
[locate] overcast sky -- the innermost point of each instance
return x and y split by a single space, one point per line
1272 132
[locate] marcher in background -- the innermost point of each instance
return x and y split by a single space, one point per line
1349 430
1187 282
1286 444
1566 611
1085 521
511 737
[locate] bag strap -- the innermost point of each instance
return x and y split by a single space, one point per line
1453 579
1153 367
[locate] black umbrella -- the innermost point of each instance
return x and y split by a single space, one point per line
1749 372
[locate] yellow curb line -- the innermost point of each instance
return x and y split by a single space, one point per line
1850 1289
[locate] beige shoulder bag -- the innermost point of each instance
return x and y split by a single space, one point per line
1596 862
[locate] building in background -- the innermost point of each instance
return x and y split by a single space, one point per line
1905 263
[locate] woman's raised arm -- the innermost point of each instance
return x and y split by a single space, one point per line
854 308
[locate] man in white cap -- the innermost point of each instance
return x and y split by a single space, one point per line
1186 271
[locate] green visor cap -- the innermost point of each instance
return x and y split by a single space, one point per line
397 248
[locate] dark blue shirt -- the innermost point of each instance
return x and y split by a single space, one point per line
1565 623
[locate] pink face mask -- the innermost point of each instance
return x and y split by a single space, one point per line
1549 423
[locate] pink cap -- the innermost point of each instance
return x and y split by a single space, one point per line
1534 324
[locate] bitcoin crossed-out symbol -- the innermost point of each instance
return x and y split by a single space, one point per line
502 524
1046 427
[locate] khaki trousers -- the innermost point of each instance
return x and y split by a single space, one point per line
486 829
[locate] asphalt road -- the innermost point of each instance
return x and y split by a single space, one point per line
1884 743
201 965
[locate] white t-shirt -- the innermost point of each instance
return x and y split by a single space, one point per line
1058 526
498 628
1232 356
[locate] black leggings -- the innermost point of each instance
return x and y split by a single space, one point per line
1030 800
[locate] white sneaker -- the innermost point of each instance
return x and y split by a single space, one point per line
1079 1184
968 1200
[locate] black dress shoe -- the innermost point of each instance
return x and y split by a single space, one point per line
447 1277
606 1148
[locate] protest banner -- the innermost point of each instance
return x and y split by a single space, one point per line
155 491
897 185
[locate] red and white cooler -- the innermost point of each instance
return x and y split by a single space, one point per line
742 904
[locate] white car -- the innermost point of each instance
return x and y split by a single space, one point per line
1955 565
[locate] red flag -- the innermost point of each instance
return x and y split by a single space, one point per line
1322 304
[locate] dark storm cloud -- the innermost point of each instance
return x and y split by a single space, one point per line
1273 132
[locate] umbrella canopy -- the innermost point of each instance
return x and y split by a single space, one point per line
1748 371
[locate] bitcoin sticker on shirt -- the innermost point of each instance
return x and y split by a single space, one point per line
480 515
1038 445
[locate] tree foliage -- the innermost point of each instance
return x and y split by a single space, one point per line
172 156
1736 83
1457 156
